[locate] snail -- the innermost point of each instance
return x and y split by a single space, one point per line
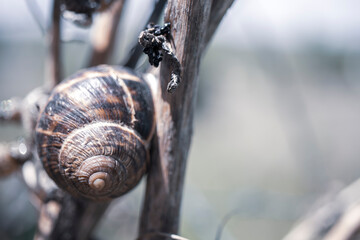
93 134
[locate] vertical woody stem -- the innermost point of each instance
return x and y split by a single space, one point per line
105 31
193 22
53 77
174 116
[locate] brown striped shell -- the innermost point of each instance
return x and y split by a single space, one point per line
93 135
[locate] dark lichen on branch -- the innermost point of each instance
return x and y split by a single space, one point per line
156 42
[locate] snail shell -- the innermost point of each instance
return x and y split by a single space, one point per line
93 134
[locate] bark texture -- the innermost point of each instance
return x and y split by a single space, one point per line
192 26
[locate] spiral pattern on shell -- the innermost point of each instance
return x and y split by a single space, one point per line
94 132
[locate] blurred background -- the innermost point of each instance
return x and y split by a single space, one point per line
276 125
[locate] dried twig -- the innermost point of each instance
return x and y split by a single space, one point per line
174 114
223 222
64 217
49 213
105 31
54 76
333 213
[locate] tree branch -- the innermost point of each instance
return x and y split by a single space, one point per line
67 218
330 219
105 32
174 114
53 77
